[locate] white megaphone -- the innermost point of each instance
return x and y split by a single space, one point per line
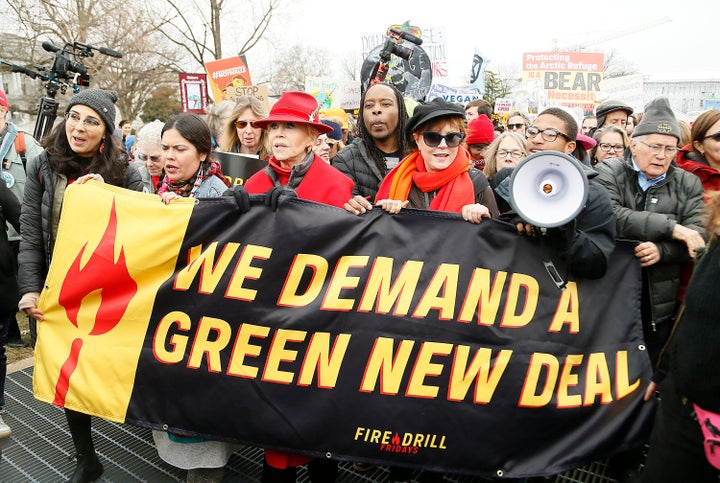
548 189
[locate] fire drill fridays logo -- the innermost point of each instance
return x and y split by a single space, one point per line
390 441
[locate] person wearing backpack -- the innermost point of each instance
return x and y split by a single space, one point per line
16 148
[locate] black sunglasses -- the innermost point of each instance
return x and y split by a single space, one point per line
513 127
433 139
714 137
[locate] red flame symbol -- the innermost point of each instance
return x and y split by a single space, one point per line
396 440
116 287
102 273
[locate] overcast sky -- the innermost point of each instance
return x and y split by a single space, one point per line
663 39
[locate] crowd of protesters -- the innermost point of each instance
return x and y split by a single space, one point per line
645 183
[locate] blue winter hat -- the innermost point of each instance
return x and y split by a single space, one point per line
336 132
129 141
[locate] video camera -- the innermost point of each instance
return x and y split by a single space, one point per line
392 46
67 70
74 72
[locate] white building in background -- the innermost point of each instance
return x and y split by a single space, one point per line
687 94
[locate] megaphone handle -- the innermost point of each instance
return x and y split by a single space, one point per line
559 281
554 275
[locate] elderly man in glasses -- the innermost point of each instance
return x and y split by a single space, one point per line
660 205
588 240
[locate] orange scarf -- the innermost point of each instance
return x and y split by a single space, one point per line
454 183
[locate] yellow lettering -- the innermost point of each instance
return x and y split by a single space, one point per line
622 373
568 310
210 275
340 280
244 270
597 380
379 287
381 365
567 379
487 380
278 354
425 368
538 361
532 290
176 341
243 349
440 293
203 346
321 359
479 293
289 296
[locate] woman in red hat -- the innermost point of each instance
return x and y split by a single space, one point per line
292 127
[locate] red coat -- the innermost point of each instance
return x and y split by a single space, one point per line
322 183
690 161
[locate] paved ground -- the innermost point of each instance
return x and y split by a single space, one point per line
39 449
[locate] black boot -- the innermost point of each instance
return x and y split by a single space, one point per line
323 470
275 475
88 466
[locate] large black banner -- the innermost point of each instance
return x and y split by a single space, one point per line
417 339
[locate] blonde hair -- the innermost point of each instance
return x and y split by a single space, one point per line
491 153
230 139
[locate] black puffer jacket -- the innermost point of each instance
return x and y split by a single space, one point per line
355 162
652 217
9 212
38 219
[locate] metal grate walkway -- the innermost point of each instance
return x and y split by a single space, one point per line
40 446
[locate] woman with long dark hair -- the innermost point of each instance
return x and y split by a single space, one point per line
79 148
190 171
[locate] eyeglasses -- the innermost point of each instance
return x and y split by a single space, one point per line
73 118
505 154
242 124
714 137
515 127
144 157
670 151
606 147
433 139
548 135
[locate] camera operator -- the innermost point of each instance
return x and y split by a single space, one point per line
16 148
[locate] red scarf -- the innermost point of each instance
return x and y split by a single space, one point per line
454 183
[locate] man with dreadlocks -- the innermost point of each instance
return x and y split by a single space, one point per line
380 145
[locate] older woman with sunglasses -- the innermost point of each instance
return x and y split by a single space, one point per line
239 135
611 143
148 155
437 176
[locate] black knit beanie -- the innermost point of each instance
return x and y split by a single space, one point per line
658 119
100 101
